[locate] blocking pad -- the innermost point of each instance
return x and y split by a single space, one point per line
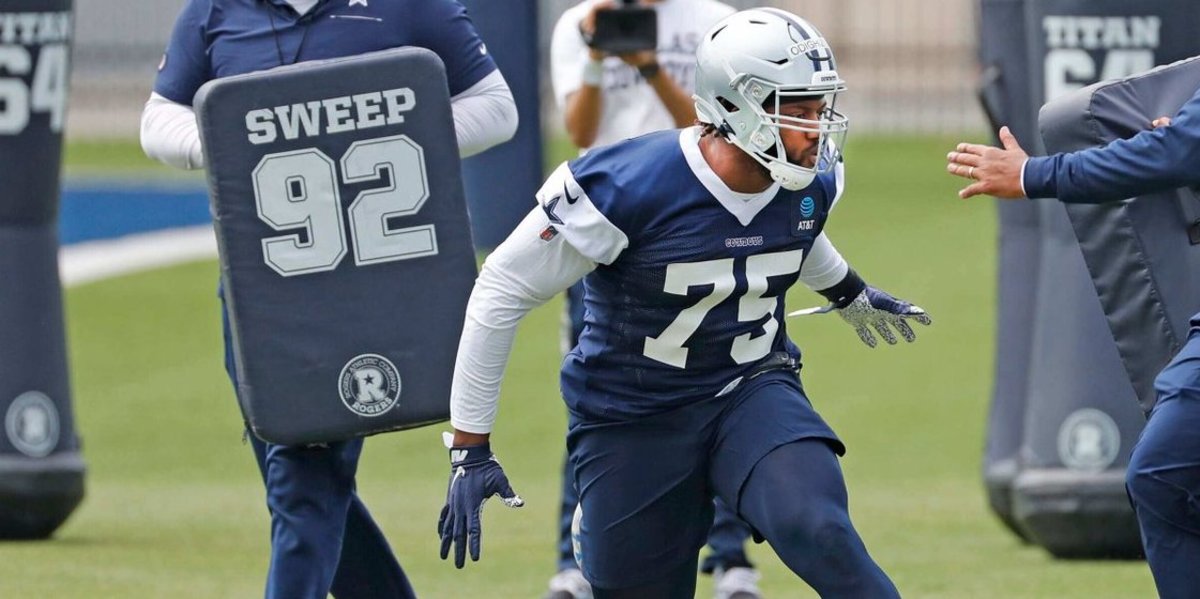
345 247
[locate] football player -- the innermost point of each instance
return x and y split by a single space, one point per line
604 99
323 538
684 384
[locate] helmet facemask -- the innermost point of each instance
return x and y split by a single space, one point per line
766 144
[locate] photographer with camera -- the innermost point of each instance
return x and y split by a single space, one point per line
621 69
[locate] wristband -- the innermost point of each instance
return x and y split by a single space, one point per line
593 73
845 290
648 71
471 454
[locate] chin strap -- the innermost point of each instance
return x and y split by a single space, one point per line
789 178
782 172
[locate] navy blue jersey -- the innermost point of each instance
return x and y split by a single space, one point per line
219 38
688 297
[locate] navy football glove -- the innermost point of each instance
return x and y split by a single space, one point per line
475 475
865 308
875 309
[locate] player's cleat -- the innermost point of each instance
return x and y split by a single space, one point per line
736 583
569 584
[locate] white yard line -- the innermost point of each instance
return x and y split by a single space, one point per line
90 261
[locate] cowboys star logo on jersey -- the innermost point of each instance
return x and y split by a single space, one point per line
369 385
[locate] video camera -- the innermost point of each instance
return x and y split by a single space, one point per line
625 28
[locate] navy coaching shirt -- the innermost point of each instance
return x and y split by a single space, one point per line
219 38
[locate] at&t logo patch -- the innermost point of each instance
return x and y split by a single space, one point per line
802 217
807 207
32 424
369 385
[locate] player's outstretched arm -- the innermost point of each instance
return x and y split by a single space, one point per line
475 476
863 307
530 267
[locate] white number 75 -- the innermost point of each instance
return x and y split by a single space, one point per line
668 347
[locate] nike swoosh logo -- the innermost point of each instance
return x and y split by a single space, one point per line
570 199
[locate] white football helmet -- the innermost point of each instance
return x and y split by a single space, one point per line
767 54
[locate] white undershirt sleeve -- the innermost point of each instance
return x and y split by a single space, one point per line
169 133
522 273
824 267
484 115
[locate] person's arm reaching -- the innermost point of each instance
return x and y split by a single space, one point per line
1157 159
1161 158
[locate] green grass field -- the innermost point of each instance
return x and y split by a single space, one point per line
174 505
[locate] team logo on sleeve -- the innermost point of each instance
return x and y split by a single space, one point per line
551 206
369 385
32 424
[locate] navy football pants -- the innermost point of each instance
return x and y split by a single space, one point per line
1164 475
726 538
647 486
323 539
796 498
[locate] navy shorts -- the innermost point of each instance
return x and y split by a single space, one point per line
646 486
